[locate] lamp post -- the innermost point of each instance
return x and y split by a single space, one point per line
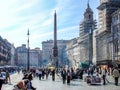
28 61
90 46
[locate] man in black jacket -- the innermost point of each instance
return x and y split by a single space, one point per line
63 74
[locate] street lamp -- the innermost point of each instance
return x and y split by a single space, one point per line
90 46
28 61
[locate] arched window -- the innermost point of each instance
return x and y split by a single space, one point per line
89 16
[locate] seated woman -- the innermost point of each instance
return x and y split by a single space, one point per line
22 85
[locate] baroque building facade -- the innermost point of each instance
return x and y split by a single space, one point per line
103 42
21 55
34 56
5 52
80 49
47 52
73 53
115 37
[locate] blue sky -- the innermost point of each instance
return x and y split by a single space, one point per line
38 15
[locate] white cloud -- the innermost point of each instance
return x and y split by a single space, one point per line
10 10
18 15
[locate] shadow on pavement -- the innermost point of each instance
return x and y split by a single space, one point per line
74 84
95 84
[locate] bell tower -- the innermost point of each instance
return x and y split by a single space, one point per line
88 15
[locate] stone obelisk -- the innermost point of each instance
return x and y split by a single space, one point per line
55 48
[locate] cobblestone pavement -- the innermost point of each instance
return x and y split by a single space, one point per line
48 84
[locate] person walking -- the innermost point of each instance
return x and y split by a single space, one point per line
68 77
29 85
116 75
53 75
46 73
40 73
88 71
43 73
81 73
104 76
72 73
63 75
8 77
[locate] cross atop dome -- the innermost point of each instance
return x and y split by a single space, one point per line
88 4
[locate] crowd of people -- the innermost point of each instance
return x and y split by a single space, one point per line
66 74
104 72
